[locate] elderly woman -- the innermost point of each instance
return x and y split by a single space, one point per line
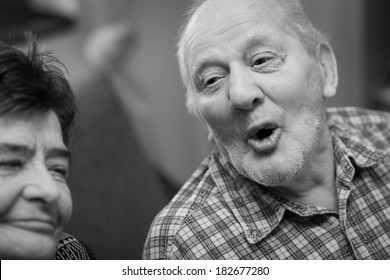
37 110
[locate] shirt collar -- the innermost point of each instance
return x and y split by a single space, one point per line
258 212
257 209
355 145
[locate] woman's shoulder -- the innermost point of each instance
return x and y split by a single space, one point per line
69 248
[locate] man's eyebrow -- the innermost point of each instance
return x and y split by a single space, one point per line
59 153
200 67
21 150
256 41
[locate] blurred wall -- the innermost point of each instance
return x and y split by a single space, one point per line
181 139
344 21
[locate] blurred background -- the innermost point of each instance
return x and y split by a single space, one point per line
134 142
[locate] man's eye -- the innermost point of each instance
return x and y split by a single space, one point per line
211 81
262 60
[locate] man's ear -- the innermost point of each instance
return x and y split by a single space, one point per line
210 136
329 72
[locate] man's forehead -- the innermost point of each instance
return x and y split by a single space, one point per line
242 30
217 17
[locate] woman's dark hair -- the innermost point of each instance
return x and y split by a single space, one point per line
32 82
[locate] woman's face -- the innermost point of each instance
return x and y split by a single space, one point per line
35 201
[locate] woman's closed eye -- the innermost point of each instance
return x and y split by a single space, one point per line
59 172
11 164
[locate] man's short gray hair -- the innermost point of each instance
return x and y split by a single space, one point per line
295 18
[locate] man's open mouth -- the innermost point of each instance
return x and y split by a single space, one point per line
264 137
264 133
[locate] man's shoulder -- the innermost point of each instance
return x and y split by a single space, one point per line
358 125
356 116
173 217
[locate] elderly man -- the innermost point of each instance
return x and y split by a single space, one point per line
287 179
37 110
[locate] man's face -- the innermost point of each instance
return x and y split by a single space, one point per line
258 90
35 201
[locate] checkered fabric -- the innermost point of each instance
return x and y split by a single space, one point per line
219 214
69 248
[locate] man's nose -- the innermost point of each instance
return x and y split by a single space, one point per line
244 93
41 186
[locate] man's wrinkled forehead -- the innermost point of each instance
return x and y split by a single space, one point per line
219 10
214 19
215 15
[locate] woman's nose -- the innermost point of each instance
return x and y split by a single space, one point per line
41 186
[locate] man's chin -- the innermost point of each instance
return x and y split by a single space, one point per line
270 174
273 181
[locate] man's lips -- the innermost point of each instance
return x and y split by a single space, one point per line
264 137
254 129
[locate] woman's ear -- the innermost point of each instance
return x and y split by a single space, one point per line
329 72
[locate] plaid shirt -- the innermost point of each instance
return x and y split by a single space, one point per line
219 214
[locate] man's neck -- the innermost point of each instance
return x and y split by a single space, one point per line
316 184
